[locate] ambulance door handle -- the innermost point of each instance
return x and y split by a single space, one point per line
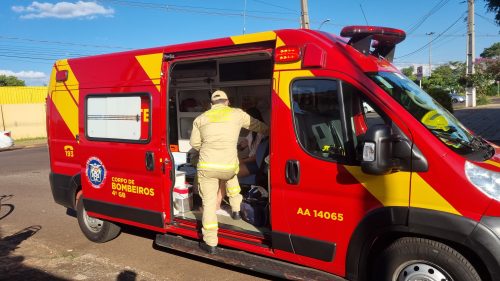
292 172
150 160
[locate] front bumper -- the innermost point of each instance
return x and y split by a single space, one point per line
485 240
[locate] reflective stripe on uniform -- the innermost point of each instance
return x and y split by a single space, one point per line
210 226
233 190
220 114
226 167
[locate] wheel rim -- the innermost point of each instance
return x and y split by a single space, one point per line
93 224
420 271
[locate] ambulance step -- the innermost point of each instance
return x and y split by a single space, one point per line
245 260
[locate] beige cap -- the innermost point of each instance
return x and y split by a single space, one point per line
219 95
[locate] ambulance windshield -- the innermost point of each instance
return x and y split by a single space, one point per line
433 116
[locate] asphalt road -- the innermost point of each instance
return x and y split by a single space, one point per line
40 241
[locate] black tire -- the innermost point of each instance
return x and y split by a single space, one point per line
454 100
413 258
95 230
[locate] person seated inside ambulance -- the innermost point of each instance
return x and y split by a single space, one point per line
248 166
190 105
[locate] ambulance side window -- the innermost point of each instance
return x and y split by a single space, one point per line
118 118
317 121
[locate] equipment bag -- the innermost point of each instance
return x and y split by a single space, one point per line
255 212
255 207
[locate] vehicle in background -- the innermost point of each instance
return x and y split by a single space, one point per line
6 140
456 98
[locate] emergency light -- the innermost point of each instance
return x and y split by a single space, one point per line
384 39
61 75
287 54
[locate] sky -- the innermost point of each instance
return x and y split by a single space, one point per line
33 34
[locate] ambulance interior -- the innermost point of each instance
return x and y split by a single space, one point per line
246 79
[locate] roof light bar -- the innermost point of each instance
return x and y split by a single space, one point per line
381 34
353 30
385 39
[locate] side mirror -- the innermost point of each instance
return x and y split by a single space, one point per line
377 151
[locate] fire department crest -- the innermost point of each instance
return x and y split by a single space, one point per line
96 172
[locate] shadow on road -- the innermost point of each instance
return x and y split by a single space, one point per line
71 212
11 265
5 209
126 275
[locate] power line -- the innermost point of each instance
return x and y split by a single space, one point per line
445 42
63 43
460 35
452 34
38 49
277 6
206 11
433 10
26 57
435 38
24 60
35 52
486 19
189 9
363 12
420 63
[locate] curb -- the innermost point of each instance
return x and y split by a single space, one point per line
32 145
19 147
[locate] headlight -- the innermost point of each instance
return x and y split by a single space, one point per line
485 180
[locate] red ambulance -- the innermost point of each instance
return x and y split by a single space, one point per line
405 192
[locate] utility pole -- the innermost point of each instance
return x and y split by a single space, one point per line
430 43
245 17
470 97
304 15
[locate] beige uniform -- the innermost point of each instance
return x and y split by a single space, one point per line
215 134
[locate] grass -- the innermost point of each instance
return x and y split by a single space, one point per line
30 141
482 100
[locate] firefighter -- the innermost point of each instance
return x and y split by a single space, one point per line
215 135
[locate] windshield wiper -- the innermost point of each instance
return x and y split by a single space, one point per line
447 136
476 144
480 142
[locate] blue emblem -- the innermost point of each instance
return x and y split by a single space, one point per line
96 173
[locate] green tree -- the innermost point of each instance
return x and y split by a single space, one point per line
441 96
482 79
446 77
494 7
10 81
492 67
492 51
408 71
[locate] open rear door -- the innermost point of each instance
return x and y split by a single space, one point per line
124 159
